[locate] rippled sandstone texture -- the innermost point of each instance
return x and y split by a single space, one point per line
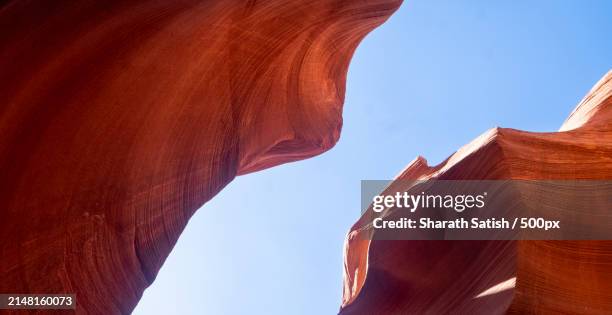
120 118
495 277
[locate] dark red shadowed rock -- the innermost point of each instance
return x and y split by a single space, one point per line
120 118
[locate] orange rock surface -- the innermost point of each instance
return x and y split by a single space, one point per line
495 277
120 118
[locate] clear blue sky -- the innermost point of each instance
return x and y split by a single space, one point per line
436 75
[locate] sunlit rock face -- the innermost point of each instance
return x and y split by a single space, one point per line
120 118
495 277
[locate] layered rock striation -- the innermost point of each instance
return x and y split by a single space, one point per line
120 118
495 277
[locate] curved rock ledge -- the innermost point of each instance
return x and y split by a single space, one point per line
494 277
120 118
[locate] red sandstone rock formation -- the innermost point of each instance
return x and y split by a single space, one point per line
120 118
493 277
